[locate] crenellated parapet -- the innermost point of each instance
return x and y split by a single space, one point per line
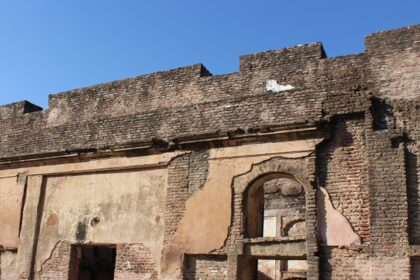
286 87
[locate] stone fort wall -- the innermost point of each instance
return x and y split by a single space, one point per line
176 147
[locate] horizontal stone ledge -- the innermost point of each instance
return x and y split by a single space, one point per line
294 249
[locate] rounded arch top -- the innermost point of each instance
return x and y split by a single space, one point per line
274 168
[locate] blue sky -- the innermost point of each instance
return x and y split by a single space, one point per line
50 46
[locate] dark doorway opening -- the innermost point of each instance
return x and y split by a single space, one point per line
92 263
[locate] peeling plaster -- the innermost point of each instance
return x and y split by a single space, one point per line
273 86
46 260
333 227
208 211
8 265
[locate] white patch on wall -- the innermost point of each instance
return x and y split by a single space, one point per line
273 86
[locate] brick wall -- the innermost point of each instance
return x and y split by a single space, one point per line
388 194
407 118
177 194
134 261
205 267
198 168
342 169
371 173
342 263
57 266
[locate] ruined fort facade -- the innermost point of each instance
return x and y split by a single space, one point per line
298 166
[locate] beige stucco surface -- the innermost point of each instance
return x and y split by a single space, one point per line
99 165
208 211
10 208
130 207
8 265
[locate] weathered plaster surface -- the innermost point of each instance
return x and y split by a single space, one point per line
10 207
8 265
208 211
100 165
129 205
113 166
29 222
334 229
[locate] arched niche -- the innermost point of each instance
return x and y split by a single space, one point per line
247 219
282 190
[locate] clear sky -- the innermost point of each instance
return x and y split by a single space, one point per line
50 46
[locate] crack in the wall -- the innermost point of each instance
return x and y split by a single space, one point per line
44 262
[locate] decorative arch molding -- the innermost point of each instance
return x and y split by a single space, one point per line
278 167
301 170
290 224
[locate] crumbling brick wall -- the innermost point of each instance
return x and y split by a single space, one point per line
57 267
134 261
342 169
205 267
366 106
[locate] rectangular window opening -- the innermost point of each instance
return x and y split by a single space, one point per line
92 262
415 268
270 269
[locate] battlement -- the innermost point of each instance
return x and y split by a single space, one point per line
146 85
17 109
189 100
281 57
391 41
288 168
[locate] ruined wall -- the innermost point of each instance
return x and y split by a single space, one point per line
205 267
407 118
135 261
108 208
151 165
342 164
207 212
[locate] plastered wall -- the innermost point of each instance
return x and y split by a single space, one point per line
128 205
11 196
158 166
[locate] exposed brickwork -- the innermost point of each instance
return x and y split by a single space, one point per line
177 194
407 118
205 267
135 261
301 170
344 263
198 168
390 268
393 62
56 267
365 105
342 168
388 192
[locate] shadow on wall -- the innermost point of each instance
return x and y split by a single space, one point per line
263 276
413 197
342 137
